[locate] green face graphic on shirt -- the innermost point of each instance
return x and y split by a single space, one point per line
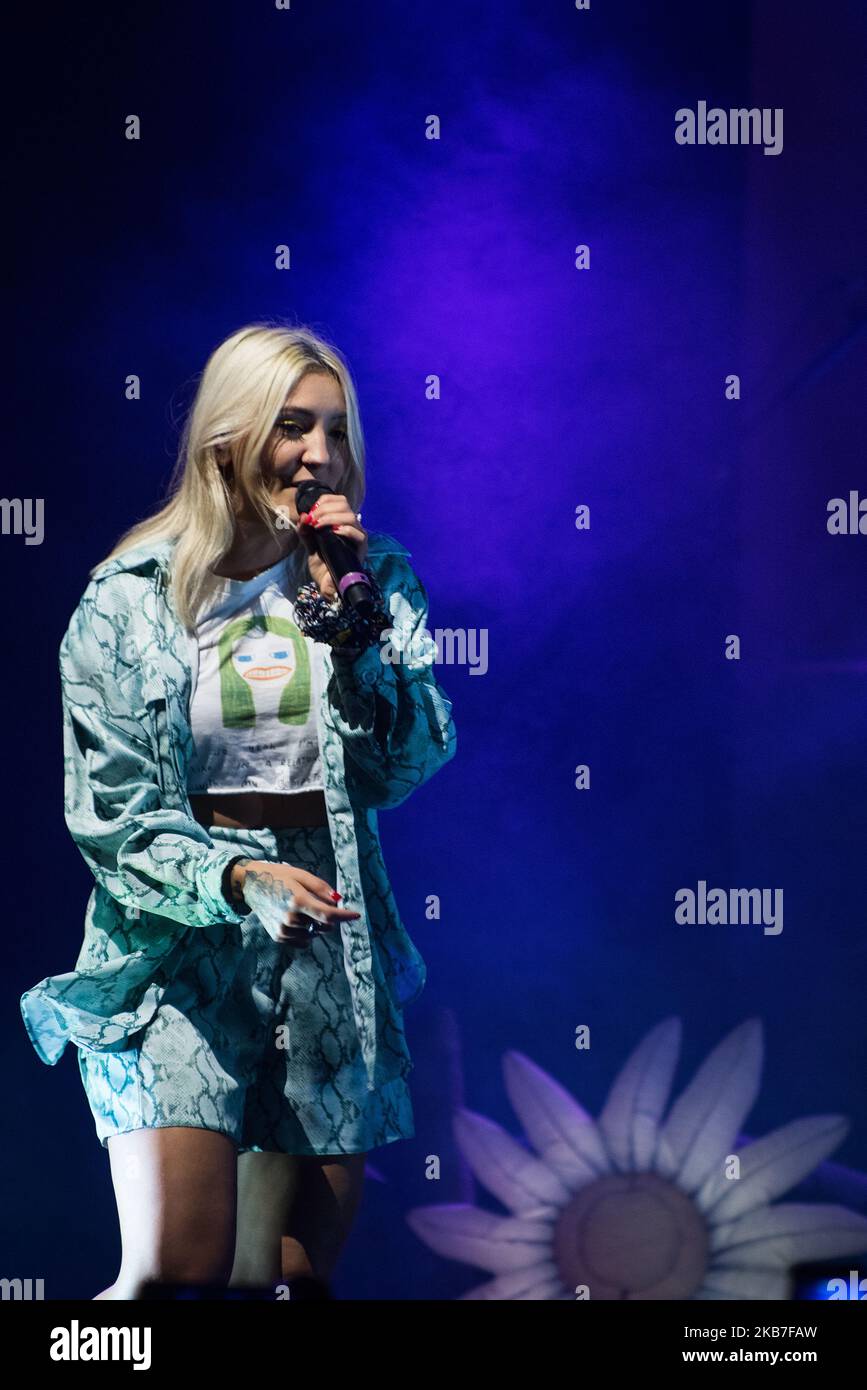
263 652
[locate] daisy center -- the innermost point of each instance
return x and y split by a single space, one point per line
632 1235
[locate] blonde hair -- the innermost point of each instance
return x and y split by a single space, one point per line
240 393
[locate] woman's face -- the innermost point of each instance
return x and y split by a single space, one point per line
309 440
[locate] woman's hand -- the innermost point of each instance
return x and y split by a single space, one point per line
333 510
283 897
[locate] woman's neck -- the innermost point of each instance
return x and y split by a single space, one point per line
252 553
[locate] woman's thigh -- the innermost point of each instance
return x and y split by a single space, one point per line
295 1212
176 1194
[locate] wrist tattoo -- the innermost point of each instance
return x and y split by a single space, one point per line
269 897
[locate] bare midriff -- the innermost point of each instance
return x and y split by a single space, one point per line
260 810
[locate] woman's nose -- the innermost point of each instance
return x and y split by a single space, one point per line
317 449
309 472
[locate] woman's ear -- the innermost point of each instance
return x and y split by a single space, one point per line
223 456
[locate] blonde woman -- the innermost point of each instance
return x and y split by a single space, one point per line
237 1003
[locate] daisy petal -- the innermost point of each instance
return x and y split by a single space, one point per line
770 1166
629 1122
538 1283
711 1295
521 1181
475 1237
746 1283
559 1129
789 1234
706 1119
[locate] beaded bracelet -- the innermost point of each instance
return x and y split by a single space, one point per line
337 623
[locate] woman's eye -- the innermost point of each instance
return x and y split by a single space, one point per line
292 428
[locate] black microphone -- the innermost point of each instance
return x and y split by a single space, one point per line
341 559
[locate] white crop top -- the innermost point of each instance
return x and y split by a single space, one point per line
253 711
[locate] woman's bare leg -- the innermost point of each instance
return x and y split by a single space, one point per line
176 1194
267 1188
323 1213
295 1212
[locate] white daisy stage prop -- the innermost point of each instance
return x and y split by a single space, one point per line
639 1204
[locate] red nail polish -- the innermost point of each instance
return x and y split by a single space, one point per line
335 896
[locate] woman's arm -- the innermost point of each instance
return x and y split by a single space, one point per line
393 716
146 855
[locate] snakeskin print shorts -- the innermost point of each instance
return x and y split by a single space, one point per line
209 1058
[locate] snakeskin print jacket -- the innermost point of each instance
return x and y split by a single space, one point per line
385 727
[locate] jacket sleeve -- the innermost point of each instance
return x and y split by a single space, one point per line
148 856
393 716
